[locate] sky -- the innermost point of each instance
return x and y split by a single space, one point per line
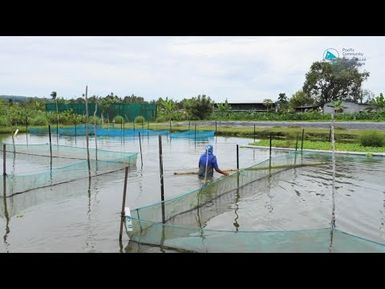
239 69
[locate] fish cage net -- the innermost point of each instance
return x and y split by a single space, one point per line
30 167
192 134
180 223
100 132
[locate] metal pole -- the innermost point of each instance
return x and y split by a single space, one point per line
4 160
140 147
161 177
296 143
188 125
303 133
170 126
195 132
123 203
237 157
216 127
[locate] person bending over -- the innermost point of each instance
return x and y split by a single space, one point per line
209 160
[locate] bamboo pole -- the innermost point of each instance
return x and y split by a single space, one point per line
87 138
303 133
140 147
26 129
270 152
122 215
161 177
4 159
254 133
96 138
50 141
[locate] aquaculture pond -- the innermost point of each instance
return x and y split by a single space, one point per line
282 206
83 215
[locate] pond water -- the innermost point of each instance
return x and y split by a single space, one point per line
84 216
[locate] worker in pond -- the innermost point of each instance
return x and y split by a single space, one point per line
209 160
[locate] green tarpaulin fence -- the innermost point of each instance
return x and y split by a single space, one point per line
128 111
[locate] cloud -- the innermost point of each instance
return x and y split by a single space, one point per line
236 68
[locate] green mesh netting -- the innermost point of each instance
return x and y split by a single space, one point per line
128 111
68 163
183 224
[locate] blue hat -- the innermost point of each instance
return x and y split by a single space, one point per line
209 148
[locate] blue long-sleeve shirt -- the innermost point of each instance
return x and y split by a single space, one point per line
211 165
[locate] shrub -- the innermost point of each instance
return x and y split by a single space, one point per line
92 119
118 119
372 139
39 120
4 121
139 119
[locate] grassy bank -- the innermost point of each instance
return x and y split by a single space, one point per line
290 133
286 134
320 145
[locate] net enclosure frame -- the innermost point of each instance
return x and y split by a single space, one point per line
185 217
67 164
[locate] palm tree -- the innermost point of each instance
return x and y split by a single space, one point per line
168 107
378 102
337 105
